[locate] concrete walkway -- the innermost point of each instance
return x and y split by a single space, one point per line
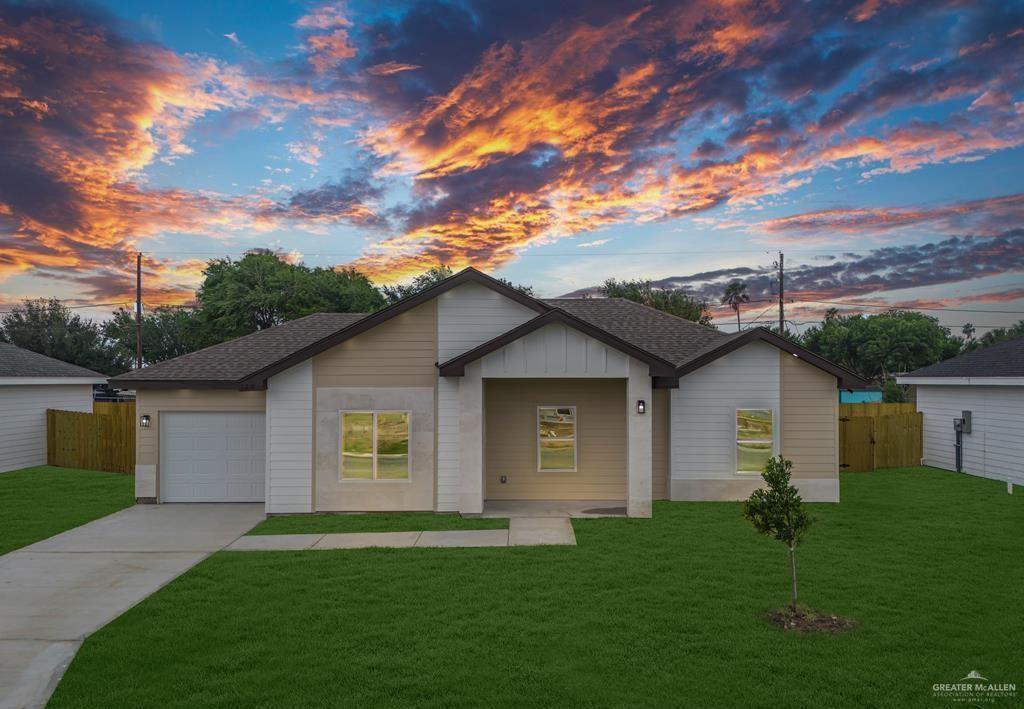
522 531
56 592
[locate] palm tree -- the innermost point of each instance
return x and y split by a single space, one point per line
736 293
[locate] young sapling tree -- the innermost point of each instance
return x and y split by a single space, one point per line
778 511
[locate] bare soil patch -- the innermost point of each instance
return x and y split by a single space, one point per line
808 620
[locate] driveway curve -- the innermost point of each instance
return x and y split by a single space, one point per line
54 593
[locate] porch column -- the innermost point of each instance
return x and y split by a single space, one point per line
471 441
639 440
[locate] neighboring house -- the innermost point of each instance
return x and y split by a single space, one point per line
472 391
989 384
31 383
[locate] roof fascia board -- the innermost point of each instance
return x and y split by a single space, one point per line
15 381
963 381
184 384
844 378
456 366
467 275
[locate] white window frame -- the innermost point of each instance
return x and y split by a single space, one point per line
373 446
575 439
736 438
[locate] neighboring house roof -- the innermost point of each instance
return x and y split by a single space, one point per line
18 363
1003 359
664 341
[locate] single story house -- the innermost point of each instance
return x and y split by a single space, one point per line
472 391
980 393
31 383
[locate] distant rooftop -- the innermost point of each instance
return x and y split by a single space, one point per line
18 362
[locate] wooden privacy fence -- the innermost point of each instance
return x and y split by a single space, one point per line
102 440
879 436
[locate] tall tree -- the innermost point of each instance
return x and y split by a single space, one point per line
735 295
677 301
261 290
431 277
880 346
998 334
167 332
52 329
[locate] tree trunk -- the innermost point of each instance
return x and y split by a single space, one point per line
737 318
792 573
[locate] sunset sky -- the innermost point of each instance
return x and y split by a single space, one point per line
878 143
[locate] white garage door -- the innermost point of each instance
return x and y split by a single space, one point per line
212 457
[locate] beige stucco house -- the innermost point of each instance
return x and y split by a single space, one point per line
471 391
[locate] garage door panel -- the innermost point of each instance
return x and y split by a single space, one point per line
212 457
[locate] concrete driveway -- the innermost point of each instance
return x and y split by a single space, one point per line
56 592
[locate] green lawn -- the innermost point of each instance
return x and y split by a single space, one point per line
382 522
643 613
36 503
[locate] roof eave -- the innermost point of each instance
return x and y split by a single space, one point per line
845 379
186 384
456 367
467 275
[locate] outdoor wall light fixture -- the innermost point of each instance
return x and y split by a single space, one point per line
144 421
641 406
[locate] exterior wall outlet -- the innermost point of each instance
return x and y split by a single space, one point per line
504 479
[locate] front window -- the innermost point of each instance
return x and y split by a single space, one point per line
375 445
755 439
556 439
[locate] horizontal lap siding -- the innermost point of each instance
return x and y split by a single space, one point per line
400 352
810 419
995 446
290 440
511 439
23 419
704 410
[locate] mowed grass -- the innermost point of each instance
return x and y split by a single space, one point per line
643 613
374 522
36 503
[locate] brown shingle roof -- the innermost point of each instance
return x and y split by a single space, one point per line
236 360
18 362
1003 359
665 340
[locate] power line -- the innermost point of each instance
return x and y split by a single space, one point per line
897 307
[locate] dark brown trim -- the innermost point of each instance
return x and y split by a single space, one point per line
665 382
456 366
845 378
467 275
182 384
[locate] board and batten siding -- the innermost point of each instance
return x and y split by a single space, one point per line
289 486
512 438
810 419
558 351
995 446
154 401
23 419
467 316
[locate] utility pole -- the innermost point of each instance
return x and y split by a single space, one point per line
782 292
138 310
